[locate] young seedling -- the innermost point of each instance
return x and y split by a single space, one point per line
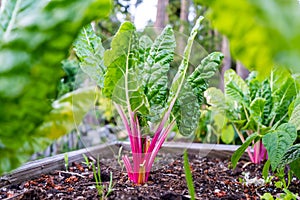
99 185
97 177
188 175
66 159
137 80
86 161
119 158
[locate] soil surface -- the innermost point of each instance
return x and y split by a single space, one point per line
213 179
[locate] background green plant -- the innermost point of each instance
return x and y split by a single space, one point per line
31 49
258 109
214 127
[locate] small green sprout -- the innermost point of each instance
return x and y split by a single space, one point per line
86 161
119 158
188 175
66 158
99 184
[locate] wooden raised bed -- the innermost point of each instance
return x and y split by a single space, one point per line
213 177
43 166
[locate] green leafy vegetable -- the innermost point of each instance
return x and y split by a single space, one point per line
187 110
156 67
227 134
295 167
34 37
216 99
258 106
295 116
136 79
67 112
292 154
90 51
120 58
266 168
278 142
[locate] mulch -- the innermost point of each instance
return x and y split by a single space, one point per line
213 179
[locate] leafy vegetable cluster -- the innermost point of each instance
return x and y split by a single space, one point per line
267 111
31 49
134 74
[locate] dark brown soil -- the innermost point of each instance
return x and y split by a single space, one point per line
212 179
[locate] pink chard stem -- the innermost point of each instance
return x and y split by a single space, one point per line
153 154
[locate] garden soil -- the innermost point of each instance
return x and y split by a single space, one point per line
213 179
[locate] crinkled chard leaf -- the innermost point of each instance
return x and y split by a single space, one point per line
89 49
292 154
292 157
277 142
145 44
257 107
236 88
284 91
295 116
190 99
155 72
121 79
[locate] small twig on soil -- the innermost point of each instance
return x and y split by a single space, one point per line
246 164
93 183
89 183
72 173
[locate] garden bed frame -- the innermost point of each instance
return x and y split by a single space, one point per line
35 168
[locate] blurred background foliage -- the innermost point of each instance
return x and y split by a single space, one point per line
262 34
31 50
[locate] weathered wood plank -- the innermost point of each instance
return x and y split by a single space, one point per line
211 150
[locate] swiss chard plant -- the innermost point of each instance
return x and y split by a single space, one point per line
34 37
265 112
134 74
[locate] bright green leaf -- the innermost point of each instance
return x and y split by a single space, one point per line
295 117
120 58
155 71
257 109
188 175
89 49
227 134
277 142
241 150
267 196
235 87
295 167
291 154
